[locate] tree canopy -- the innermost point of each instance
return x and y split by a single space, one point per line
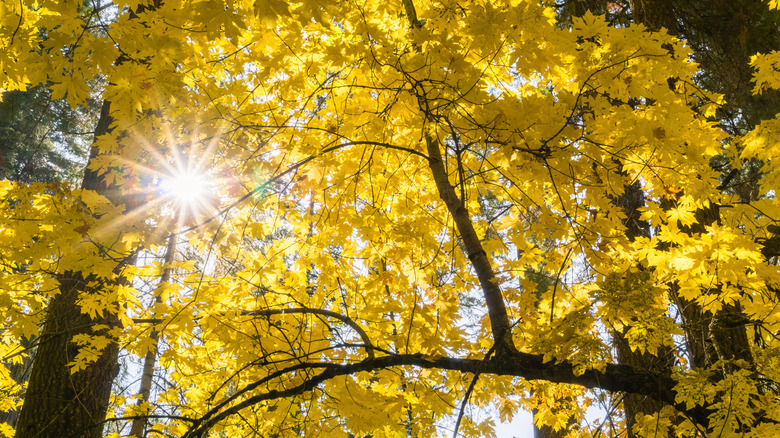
383 217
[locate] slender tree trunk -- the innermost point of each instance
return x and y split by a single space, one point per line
491 289
150 359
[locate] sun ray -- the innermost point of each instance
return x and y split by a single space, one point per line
175 185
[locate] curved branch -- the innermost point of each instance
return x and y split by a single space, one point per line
367 345
305 310
621 378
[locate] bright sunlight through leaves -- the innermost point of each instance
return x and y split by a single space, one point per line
187 188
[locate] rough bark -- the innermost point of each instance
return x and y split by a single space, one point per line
719 336
635 404
712 337
728 332
548 432
638 404
59 404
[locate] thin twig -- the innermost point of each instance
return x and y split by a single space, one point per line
468 394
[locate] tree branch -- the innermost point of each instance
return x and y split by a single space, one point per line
499 321
620 378
305 310
368 346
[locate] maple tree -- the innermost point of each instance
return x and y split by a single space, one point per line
397 194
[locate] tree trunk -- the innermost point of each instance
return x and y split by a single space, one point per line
144 392
548 432
633 404
719 336
59 404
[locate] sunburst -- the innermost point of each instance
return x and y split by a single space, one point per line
188 188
